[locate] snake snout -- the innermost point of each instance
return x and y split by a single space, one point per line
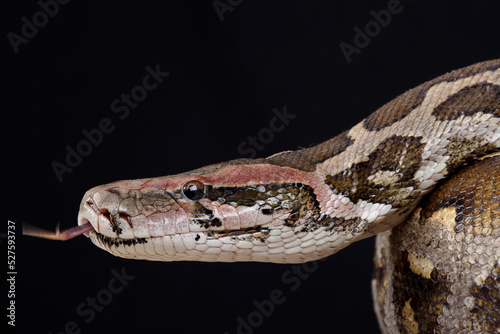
92 206
103 208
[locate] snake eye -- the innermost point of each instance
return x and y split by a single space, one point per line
193 190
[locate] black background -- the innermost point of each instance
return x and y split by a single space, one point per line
225 79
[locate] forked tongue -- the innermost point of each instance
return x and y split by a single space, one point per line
70 233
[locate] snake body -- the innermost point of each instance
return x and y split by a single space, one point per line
303 205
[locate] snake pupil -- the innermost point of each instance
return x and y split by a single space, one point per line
193 190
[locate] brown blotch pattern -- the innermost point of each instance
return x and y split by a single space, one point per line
203 216
399 157
455 235
306 159
463 151
424 296
299 199
268 197
380 276
482 97
486 310
403 105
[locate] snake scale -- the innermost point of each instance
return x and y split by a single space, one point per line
422 173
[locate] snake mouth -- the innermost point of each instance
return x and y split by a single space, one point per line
116 241
258 233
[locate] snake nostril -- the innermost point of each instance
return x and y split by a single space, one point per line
90 203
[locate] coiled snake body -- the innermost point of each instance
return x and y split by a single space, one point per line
439 271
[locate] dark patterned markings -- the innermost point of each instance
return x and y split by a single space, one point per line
462 150
266 196
418 300
483 97
114 221
296 198
446 273
203 216
396 109
117 241
403 105
486 309
386 176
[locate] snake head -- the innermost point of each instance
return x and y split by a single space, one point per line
227 212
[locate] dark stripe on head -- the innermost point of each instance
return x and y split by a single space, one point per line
268 197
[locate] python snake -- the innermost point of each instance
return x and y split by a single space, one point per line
429 158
